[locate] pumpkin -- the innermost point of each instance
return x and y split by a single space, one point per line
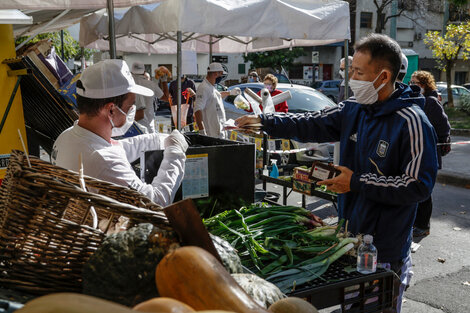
123 268
262 291
228 254
163 305
72 303
194 276
292 304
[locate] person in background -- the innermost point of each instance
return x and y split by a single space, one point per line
209 109
270 83
341 95
188 89
384 173
438 118
105 96
253 77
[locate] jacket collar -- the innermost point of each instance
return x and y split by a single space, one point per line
403 96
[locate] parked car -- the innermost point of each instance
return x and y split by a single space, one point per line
467 86
330 88
457 91
304 99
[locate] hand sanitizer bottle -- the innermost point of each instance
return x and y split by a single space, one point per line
274 171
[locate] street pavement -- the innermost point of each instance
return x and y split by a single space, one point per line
441 265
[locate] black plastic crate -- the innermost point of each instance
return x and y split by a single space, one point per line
231 168
355 292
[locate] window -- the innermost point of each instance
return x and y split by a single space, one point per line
366 19
241 68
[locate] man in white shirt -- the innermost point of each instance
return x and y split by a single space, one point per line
105 97
145 114
209 109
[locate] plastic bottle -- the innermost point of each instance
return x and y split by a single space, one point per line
274 171
367 256
265 171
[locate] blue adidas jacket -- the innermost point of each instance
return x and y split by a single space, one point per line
390 147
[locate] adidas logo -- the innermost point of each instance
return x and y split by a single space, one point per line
353 137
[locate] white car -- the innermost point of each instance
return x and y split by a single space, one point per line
457 92
304 99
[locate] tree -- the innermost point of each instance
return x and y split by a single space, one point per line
72 48
381 18
448 48
384 12
275 59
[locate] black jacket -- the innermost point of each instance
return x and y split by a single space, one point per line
438 118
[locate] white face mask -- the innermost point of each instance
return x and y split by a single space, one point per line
120 131
341 73
421 90
364 90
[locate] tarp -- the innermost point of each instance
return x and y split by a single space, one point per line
68 4
237 25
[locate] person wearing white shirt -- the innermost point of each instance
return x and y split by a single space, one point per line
105 96
209 109
145 114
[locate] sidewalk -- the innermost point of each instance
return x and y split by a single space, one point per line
455 166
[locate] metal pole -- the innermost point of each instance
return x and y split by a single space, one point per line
210 49
446 17
62 45
346 69
393 21
112 36
178 79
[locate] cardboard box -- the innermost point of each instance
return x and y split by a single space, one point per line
303 187
301 174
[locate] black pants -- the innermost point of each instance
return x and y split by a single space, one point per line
423 215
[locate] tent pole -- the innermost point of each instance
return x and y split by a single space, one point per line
346 69
112 36
178 73
210 49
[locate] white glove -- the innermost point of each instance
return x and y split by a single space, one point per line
176 141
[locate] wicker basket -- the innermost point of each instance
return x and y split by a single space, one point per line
45 223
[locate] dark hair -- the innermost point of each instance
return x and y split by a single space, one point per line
91 106
401 76
383 50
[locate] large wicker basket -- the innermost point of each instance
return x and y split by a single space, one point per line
45 223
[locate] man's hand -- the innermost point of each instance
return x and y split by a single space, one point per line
340 183
225 94
247 120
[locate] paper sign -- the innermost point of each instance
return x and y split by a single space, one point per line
258 143
160 128
189 62
271 145
233 135
285 144
196 176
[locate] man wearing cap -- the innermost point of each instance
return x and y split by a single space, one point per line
209 108
106 94
145 111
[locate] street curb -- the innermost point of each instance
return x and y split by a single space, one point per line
453 178
460 132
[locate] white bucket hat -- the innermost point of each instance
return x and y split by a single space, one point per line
138 68
404 63
109 78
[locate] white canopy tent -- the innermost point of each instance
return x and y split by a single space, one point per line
221 26
236 26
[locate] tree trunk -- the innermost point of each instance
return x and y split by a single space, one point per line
379 20
450 97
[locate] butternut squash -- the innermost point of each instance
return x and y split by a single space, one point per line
195 277
72 303
292 304
163 305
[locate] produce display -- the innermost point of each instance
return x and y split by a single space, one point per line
194 276
288 246
123 268
163 305
262 291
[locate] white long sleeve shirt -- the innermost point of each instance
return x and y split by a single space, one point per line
111 161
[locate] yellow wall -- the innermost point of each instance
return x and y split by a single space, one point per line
9 138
